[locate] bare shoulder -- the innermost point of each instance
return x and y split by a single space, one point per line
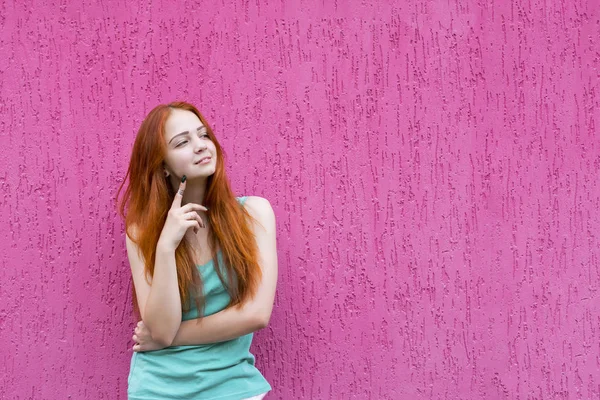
131 244
260 209
131 234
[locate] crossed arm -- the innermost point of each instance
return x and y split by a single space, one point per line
232 322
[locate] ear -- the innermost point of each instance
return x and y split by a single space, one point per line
166 173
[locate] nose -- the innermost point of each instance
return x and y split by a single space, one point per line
199 145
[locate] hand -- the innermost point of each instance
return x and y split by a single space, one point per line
180 219
143 339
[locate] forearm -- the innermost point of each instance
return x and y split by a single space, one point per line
225 325
162 313
236 321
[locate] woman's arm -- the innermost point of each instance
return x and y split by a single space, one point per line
232 322
158 297
158 300
253 315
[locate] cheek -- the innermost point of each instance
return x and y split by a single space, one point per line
215 157
175 163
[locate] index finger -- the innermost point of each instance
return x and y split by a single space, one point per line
179 194
193 207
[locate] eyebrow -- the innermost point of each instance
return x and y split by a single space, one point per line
186 133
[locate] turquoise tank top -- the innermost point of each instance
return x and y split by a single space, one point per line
223 371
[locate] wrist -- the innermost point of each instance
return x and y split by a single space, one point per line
164 247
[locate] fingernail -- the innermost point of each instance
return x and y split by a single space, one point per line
183 179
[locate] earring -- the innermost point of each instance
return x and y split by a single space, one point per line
166 174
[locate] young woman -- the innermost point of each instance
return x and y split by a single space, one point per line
203 262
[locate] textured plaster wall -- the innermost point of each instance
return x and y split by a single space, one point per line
434 167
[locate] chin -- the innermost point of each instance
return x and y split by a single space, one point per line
200 175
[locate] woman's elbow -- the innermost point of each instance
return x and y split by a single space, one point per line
261 319
257 315
163 335
164 339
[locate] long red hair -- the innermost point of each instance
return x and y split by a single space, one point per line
149 196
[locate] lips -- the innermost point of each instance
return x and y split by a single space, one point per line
203 159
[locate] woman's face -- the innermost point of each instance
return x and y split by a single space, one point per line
190 151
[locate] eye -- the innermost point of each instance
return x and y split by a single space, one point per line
181 143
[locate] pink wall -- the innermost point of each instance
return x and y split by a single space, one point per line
433 166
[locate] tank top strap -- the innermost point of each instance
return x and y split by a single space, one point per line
242 199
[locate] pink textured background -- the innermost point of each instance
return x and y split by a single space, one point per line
434 167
